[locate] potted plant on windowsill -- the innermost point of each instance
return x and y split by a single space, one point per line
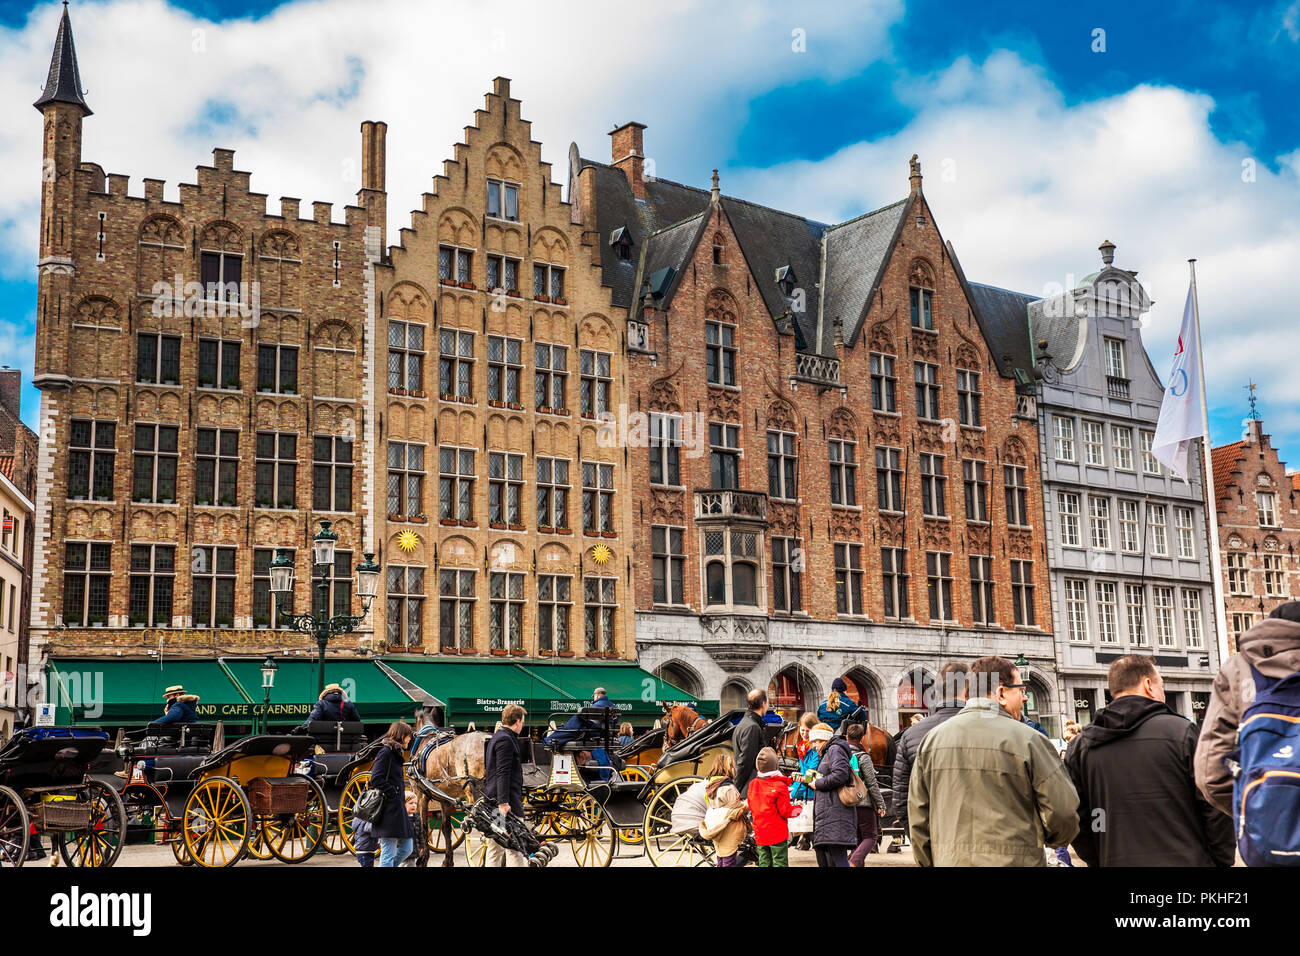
228 501
421 518
564 531
541 298
499 652
518 652
397 391
97 620
207 381
415 393
497 525
513 293
447 521
545 652
393 516
263 501
468 650
261 620
545 529
467 285
588 533
496 403
467 523
445 281
559 411
515 405
565 653
447 396
516 527
559 300
609 534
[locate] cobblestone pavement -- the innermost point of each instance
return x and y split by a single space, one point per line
161 856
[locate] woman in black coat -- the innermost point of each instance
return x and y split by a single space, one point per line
393 828
835 826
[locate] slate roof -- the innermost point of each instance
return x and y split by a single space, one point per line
1223 462
1052 321
1004 317
769 239
63 85
856 253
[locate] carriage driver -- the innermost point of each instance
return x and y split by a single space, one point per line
178 706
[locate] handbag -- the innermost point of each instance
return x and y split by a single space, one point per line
369 806
803 823
853 793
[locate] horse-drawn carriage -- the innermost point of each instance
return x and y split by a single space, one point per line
46 788
249 791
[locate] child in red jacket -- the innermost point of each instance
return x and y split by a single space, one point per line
769 804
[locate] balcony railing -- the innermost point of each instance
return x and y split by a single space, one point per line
817 368
722 504
1116 387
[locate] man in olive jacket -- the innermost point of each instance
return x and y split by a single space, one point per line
987 790
1132 767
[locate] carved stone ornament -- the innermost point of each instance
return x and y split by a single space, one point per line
724 405
667 507
846 525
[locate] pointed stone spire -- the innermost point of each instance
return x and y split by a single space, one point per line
717 193
63 85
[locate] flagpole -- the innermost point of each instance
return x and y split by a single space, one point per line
1207 479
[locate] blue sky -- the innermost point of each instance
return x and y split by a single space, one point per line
1059 144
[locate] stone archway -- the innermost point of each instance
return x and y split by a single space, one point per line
864 687
793 690
915 694
733 694
1041 706
681 675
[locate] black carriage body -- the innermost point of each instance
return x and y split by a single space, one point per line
49 757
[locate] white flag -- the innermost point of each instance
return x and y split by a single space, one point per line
1180 412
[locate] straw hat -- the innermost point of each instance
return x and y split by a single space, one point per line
175 689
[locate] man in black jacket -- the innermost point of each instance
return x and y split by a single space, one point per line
1133 768
748 739
505 780
951 690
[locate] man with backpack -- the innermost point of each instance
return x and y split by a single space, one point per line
1132 767
1257 695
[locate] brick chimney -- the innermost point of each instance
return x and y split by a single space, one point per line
11 386
373 195
627 152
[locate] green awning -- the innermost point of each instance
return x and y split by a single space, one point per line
377 698
108 691
635 691
130 692
478 690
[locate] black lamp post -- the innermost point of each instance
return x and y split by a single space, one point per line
269 667
322 625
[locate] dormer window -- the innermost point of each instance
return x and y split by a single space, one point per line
785 279
621 243
719 251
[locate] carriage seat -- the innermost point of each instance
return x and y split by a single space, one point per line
337 736
177 739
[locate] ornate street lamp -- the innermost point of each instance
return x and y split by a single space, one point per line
322 625
269 667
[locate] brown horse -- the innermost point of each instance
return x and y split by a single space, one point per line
876 741
457 770
680 721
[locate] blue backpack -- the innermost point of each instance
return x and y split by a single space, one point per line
1266 768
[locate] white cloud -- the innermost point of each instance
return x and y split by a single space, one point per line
289 90
1040 183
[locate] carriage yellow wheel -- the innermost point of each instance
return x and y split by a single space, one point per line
436 843
594 842
217 822
664 847
295 837
635 772
101 842
348 804
476 847
259 847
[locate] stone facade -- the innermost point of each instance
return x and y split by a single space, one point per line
18 456
1128 542
734 283
504 506
200 362
1259 528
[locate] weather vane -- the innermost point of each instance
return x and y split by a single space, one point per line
1251 389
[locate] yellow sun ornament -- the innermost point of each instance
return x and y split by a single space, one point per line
408 541
601 554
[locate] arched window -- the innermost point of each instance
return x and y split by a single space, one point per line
733 696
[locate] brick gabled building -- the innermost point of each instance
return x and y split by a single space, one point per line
507 525
1259 528
831 441
202 365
